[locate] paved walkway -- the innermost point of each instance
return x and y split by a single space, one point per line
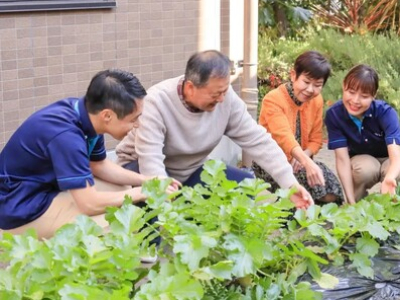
328 157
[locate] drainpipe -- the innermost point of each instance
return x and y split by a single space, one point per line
209 25
249 92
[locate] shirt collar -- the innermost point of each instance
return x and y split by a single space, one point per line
289 88
84 119
180 94
367 114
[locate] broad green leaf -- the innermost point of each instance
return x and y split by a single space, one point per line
313 212
221 270
74 291
88 226
242 264
297 271
155 189
376 230
128 219
301 250
363 264
367 246
193 249
301 216
273 292
327 281
376 211
332 244
93 245
168 284
313 268
8 283
10 295
303 292
284 193
213 172
24 246
329 210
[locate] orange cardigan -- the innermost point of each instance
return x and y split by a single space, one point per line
278 115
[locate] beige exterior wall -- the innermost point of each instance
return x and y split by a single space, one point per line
46 56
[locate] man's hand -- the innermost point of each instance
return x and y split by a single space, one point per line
301 198
174 186
137 195
389 186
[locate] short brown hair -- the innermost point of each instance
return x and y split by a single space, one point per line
313 64
362 77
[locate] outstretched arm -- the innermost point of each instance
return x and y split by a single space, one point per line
92 202
343 168
389 183
113 173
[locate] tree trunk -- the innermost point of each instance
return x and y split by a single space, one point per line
280 18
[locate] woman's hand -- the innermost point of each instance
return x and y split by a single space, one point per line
315 176
296 165
388 186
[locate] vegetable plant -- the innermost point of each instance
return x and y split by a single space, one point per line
222 240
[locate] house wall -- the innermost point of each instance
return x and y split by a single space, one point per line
46 56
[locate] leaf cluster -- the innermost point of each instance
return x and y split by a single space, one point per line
227 239
234 242
79 262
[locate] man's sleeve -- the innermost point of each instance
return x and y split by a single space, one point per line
149 142
99 151
68 153
254 139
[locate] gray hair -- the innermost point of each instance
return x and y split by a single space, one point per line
202 66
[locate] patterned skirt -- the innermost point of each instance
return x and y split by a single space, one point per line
332 185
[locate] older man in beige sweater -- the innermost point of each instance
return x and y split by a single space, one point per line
184 118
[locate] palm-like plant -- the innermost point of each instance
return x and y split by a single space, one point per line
358 16
384 16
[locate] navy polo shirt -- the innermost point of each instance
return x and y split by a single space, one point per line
47 154
379 128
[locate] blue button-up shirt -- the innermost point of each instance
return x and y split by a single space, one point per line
379 128
48 153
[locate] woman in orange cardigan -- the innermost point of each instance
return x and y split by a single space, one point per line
292 113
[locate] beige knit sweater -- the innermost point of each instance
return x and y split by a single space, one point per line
174 141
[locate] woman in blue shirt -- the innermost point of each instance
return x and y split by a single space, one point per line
365 134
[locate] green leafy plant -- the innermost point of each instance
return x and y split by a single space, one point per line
284 18
224 238
230 242
79 262
359 16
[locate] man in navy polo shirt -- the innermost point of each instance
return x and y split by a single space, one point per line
48 166
365 134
